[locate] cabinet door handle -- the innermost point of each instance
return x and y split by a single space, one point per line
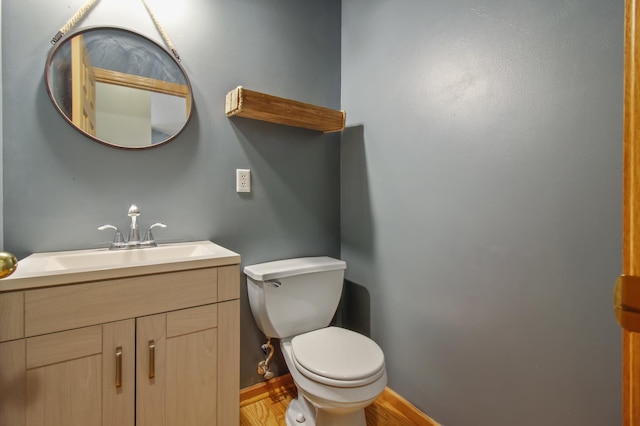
119 367
152 359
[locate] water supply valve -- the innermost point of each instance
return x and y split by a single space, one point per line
263 366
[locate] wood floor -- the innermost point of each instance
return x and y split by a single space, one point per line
269 409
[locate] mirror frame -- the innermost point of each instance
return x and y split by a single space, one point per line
67 38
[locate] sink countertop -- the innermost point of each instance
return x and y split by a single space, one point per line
68 267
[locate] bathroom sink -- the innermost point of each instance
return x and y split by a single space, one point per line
103 258
54 268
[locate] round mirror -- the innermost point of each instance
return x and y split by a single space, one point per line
118 87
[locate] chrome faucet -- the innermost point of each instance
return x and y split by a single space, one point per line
134 235
119 242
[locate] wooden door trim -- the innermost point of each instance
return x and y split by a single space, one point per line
631 205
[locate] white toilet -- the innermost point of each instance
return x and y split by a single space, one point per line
337 372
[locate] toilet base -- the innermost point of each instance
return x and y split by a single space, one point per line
298 410
301 413
355 418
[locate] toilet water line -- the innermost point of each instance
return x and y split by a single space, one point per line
263 366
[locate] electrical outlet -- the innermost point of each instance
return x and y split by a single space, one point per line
243 180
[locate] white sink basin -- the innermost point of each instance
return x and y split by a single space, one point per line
65 267
102 258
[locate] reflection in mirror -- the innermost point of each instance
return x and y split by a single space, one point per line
118 87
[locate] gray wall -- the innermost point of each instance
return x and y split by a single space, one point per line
481 203
1 162
59 186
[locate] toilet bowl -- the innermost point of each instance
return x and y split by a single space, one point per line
335 375
337 372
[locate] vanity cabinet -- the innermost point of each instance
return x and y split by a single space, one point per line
159 349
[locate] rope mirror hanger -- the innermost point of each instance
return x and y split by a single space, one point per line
90 3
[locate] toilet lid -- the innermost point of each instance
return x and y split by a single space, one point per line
337 353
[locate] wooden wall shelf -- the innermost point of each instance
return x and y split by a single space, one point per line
247 103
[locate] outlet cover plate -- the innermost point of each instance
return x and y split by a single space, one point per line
243 180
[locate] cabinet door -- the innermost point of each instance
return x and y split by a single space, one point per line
118 373
229 363
177 378
12 383
71 377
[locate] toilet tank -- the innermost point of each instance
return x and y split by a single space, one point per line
293 296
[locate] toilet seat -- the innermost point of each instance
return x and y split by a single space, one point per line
337 357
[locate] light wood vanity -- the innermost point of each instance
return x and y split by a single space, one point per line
133 347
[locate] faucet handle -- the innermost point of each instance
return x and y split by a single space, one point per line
134 211
118 239
148 240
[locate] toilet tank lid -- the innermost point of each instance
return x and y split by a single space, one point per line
290 267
